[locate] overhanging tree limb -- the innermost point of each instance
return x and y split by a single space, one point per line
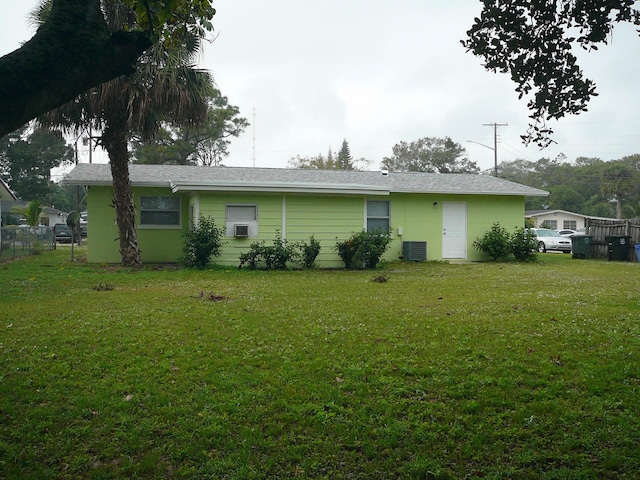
534 42
72 52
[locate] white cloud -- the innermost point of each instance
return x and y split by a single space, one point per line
379 72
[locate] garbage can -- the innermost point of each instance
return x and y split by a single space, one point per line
618 247
581 246
637 252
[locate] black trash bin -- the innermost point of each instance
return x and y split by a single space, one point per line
581 246
618 247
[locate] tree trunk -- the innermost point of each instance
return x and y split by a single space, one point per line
114 139
72 52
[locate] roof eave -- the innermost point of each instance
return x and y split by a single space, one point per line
539 193
278 188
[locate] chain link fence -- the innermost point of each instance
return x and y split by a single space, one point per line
19 241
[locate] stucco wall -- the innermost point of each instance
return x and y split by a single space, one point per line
421 220
296 217
156 244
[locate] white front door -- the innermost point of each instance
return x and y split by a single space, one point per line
454 230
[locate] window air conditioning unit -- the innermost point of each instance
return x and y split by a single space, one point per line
241 231
414 251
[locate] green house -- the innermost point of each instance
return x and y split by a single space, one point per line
431 216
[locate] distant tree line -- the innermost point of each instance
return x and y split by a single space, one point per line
340 161
589 186
428 154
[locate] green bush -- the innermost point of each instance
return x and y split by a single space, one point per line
202 241
364 249
308 252
276 256
494 242
499 244
523 245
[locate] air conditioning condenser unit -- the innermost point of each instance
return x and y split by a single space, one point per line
414 251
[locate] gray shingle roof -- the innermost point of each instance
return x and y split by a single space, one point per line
192 178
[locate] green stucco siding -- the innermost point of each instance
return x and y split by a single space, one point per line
269 220
484 211
329 218
418 220
421 220
294 217
156 245
102 231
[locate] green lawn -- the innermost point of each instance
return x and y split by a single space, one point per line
495 371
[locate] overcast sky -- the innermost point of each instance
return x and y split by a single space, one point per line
376 73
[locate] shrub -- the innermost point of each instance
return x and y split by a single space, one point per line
276 256
364 249
253 256
494 242
202 241
523 245
308 252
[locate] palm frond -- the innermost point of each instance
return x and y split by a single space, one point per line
165 87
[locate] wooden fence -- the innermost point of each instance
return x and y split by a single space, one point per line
601 229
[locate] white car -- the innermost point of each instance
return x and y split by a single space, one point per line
570 233
551 240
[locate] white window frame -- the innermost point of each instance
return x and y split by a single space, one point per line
161 226
377 217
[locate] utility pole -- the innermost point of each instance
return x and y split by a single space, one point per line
253 153
495 144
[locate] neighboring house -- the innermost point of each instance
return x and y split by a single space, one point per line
559 219
50 215
5 195
445 211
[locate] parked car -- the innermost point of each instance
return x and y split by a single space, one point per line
551 240
63 233
567 233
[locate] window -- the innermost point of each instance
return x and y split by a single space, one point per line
570 224
378 216
160 211
242 221
550 224
242 213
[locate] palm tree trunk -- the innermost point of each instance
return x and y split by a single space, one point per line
115 142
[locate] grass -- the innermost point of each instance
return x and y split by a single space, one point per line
495 370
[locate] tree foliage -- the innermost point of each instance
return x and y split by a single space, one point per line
185 144
32 212
76 49
165 85
431 155
342 161
588 186
619 182
27 157
534 42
